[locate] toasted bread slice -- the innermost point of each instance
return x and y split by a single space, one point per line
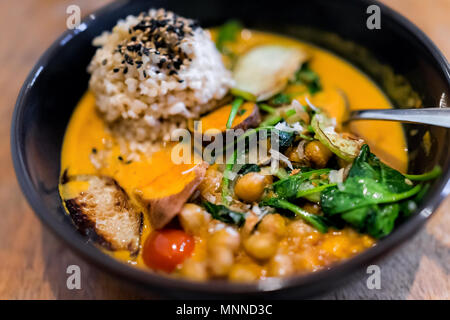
101 209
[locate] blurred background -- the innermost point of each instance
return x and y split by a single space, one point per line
33 262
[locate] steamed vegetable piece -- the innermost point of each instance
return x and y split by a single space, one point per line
343 145
265 70
164 250
370 197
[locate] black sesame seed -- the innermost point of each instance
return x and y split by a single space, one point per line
120 158
116 70
105 61
125 70
94 150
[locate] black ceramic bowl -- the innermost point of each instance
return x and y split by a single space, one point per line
59 79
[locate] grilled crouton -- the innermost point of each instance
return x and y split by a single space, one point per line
101 209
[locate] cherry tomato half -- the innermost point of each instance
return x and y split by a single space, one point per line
165 249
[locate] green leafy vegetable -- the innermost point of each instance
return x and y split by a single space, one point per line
271 121
433 174
249 167
370 196
265 107
224 214
280 99
243 94
281 173
318 222
309 78
407 207
228 33
283 138
235 105
302 184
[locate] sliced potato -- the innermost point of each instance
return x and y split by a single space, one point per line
344 146
265 70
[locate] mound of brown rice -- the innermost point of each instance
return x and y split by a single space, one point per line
153 72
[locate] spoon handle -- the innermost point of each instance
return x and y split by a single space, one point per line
433 116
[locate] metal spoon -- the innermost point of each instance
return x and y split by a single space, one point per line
433 116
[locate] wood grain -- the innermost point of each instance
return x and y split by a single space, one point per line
33 262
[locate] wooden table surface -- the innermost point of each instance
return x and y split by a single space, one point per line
33 262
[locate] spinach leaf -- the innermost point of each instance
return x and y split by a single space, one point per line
376 220
309 78
430 175
228 33
281 99
407 207
301 184
249 167
224 214
283 138
359 192
382 222
371 198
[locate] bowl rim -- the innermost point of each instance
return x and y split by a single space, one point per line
314 281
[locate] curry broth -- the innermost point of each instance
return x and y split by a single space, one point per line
86 134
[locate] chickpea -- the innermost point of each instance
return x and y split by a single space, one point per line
194 270
193 218
220 261
261 246
281 265
227 238
302 233
244 273
317 153
273 224
250 187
